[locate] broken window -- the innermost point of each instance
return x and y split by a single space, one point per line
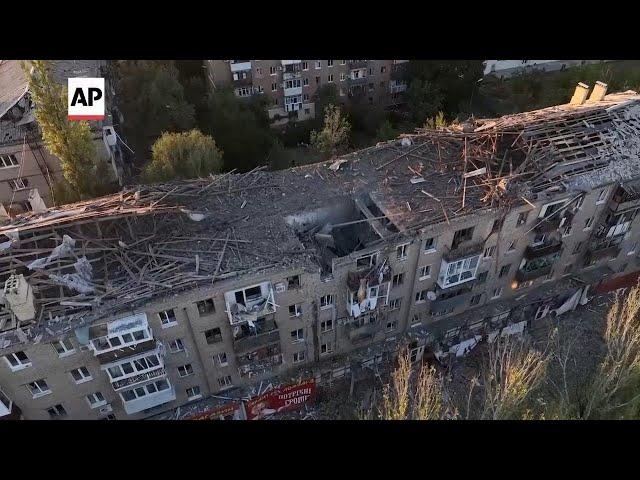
522 219
367 261
488 252
63 347
206 307
482 277
391 325
185 370
588 223
193 393
38 388
225 382
56 411
167 318
424 272
401 251
81 375
496 292
326 326
213 335
395 303
295 310
464 235
602 195
504 270
577 248
297 335
397 280
176 345
298 357
430 245
221 358
293 282
497 225
512 246
326 348
326 301
475 299
421 296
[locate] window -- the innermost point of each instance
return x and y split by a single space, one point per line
293 282
633 249
329 63
567 231
549 209
577 248
193 393
298 357
318 64
458 272
391 325
522 219
326 301
371 71
430 245
395 304
383 69
367 261
496 292
424 272
213 335
305 82
168 318
318 80
297 335
330 78
38 388
307 111
401 251
225 382
463 235
305 97
475 299
176 345
602 196
421 296
415 320
497 225
18 184
148 389
206 307
243 91
588 223
482 277
295 310
274 87
343 62
221 359
259 71
64 347
8 160
81 375
326 348
397 280
96 400
539 239
185 370
326 326
512 246
488 252
273 71
343 77
56 411
504 270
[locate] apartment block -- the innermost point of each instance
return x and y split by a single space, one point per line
28 171
509 68
291 85
161 296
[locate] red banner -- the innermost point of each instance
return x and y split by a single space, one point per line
215 414
282 399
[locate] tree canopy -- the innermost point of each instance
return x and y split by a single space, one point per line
334 134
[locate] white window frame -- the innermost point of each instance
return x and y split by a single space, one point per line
318 64
328 348
343 77
42 390
131 361
219 361
373 260
305 82
489 251
421 296
329 63
165 318
540 242
7 160
330 78
543 210
395 304
20 365
602 196
58 414
97 403
567 230
305 66
634 248
18 184
176 341
323 326
298 338
145 388
433 245
401 252
588 224
327 301
193 395
85 378
512 246
299 357
297 310
496 295
422 275
145 332
67 347
273 70
459 268
225 382
185 368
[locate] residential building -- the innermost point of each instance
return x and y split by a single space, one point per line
131 305
291 85
508 68
28 172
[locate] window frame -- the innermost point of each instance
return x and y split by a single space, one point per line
41 392
97 404
165 318
20 365
186 367
84 378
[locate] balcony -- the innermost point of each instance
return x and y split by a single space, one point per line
626 197
397 87
243 82
543 250
159 372
250 303
548 225
362 333
286 63
251 342
149 401
360 81
123 337
129 351
463 249
293 91
291 75
438 306
597 253
358 63
612 230
524 276
376 277
240 65
259 361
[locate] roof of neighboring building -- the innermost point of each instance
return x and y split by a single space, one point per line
13 84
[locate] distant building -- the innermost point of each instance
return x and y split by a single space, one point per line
291 85
28 172
508 68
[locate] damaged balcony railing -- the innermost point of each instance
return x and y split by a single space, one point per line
542 250
249 342
259 361
249 304
358 332
143 377
601 250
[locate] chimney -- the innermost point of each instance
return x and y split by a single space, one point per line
19 295
580 95
599 91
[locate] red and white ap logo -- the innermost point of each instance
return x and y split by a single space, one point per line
86 98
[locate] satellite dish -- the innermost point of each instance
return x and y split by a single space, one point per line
431 295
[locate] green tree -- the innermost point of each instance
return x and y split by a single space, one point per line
183 155
238 130
152 101
334 134
424 99
326 95
386 131
71 142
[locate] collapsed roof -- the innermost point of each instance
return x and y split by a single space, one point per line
94 259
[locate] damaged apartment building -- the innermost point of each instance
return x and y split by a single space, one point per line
133 304
28 171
